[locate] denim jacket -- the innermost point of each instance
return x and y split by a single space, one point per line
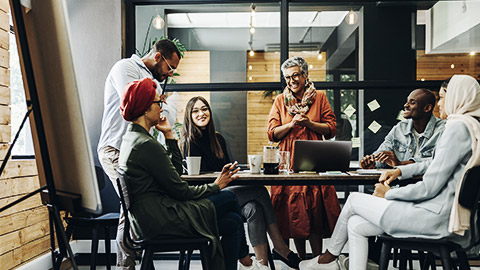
401 141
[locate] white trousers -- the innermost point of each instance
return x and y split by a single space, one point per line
359 219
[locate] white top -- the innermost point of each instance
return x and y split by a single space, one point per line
417 136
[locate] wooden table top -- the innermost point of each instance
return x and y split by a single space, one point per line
351 178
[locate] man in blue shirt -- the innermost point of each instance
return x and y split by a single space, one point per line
159 64
411 140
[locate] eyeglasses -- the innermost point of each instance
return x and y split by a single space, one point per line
171 69
159 102
204 109
294 76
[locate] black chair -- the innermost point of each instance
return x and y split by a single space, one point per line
97 224
163 245
469 198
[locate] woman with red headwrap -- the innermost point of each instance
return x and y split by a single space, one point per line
162 204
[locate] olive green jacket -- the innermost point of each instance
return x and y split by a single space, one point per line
162 204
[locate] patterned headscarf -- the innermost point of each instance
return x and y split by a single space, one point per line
293 106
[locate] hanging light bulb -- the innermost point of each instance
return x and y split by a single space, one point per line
252 29
320 56
251 53
351 17
158 22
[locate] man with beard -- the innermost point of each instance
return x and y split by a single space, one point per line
411 140
159 64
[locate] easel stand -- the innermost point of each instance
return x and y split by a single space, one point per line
53 199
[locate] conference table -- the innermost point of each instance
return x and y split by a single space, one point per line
302 179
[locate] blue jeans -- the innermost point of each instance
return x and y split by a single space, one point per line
230 226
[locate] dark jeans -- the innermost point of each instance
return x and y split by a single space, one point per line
230 226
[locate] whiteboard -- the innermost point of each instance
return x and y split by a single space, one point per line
68 145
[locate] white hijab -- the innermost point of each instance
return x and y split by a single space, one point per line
462 103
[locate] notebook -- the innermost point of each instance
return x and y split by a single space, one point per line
321 156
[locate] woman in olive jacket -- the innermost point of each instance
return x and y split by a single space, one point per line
163 205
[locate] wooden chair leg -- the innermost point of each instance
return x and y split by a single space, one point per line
445 257
384 255
147 260
107 248
463 260
94 250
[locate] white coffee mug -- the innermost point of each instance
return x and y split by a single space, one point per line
255 163
193 165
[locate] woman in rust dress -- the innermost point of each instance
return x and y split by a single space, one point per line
302 113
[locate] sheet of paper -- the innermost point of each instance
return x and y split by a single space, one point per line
355 142
374 126
349 111
373 105
369 171
400 116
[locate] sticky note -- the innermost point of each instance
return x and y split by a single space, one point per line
355 142
373 105
349 111
374 126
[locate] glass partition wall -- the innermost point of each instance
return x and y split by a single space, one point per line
367 58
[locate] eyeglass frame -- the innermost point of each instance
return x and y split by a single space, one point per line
204 109
159 102
295 76
171 70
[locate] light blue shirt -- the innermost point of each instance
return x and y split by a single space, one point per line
423 209
402 142
122 73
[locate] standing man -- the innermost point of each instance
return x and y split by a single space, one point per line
159 64
411 140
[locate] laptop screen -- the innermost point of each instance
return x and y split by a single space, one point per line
321 156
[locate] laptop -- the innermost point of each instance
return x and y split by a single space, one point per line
321 156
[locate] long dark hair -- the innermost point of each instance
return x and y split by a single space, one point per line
190 131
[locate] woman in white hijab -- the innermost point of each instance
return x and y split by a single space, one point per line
428 208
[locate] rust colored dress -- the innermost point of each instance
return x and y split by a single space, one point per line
302 210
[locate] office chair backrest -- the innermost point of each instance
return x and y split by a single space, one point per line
125 202
123 188
469 197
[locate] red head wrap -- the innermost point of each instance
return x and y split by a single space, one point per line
137 98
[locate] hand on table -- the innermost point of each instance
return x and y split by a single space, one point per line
380 190
227 175
388 176
367 162
388 157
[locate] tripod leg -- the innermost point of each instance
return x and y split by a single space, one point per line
62 238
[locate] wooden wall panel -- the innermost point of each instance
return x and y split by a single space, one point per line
265 67
24 228
439 66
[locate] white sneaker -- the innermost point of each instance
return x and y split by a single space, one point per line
256 265
344 260
313 264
